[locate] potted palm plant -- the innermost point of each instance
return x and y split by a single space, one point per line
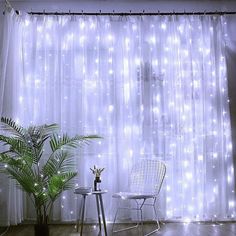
41 162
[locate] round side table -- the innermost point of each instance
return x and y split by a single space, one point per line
99 202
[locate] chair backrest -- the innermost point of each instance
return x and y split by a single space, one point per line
147 176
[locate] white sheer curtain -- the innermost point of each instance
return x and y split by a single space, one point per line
152 86
11 204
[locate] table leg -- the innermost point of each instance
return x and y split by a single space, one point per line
103 214
98 210
80 213
82 218
77 216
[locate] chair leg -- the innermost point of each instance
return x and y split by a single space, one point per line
157 221
141 220
114 221
158 224
123 229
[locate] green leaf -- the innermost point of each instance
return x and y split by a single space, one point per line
8 124
25 178
59 183
58 142
60 162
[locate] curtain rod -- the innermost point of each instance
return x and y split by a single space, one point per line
134 13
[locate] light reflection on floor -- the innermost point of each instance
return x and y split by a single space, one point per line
167 229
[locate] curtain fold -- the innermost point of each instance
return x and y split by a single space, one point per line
11 199
151 86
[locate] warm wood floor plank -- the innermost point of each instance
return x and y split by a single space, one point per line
168 229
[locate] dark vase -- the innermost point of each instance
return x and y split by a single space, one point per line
41 230
97 182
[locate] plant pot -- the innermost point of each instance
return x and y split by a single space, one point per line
97 182
41 230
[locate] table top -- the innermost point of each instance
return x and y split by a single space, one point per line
99 192
78 191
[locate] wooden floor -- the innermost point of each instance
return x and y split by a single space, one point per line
167 229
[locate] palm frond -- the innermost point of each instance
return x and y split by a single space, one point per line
22 163
8 124
59 183
39 134
19 169
58 142
16 146
60 162
24 179
36 136
17 149
41 198
49 129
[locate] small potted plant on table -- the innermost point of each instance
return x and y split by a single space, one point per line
97 172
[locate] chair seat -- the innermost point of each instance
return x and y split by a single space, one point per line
130 195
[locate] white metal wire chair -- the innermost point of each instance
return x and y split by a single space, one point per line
145 184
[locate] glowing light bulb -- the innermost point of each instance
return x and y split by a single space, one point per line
214 132
189 175
187 220
200 157
82 25
130 152
168 199
92 26
111 108
21 99
134 27
163 26
231 204
215 155
110 37
155 110
185 163
39 28
27 22
137 61
153 40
